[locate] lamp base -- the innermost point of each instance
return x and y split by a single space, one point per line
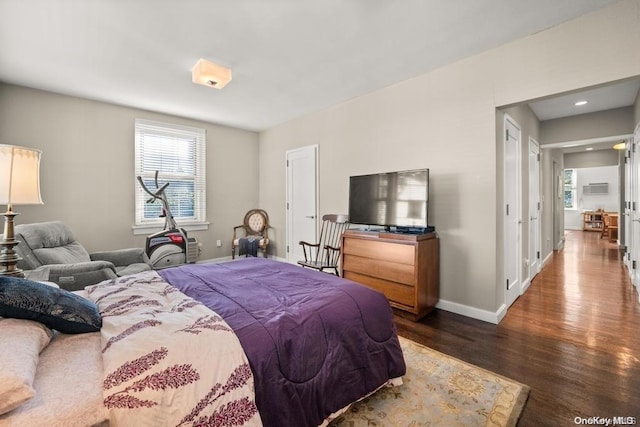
8 256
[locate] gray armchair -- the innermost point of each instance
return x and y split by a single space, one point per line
50 252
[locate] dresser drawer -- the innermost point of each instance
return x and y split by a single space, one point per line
395 292
381 268
380 251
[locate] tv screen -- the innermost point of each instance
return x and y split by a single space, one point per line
392 199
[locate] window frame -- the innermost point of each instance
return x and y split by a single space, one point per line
144 127
572 186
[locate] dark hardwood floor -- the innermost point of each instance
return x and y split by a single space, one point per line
573 337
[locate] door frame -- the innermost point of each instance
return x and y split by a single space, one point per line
512 290
535 200
634 212
313 149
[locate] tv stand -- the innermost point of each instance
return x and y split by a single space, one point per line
404 267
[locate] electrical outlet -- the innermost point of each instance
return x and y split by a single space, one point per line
219 243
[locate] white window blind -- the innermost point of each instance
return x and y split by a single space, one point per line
178 154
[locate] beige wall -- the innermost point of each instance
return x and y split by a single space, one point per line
601 124
87 170
636 110
591 159
446 120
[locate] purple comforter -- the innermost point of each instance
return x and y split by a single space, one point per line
315 342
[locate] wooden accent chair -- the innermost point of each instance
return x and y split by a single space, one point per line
605 225
326 253
612 227
253 228
609 226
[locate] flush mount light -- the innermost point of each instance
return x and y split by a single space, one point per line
581 103
620 146
589 148
207 73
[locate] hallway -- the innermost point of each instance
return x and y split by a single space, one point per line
573 337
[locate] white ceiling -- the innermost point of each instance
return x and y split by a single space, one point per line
622 94
289 57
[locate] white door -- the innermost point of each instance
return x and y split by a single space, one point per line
302 199
534 209
626 215
511 208
634 213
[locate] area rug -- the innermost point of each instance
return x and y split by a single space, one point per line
440 390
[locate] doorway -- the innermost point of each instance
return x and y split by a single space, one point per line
512 220
302 199
535 250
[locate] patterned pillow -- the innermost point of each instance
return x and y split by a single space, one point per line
22 341
58 309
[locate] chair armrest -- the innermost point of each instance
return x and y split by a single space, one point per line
331 252
314 245
235 229
121 257
73 277
332 248
304 248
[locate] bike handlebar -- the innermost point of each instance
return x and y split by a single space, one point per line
157 193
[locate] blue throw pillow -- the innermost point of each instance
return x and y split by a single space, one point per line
56 308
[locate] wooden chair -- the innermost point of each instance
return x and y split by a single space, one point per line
605 226
326 253
253 229
613 227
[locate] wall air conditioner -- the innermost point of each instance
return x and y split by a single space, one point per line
596 189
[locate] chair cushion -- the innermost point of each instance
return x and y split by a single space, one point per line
262 242
132 269
71 253
256 222
48 243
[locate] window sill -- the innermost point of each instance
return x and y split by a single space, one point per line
150 229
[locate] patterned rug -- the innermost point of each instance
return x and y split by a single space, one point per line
440 390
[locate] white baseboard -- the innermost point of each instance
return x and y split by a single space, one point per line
475 313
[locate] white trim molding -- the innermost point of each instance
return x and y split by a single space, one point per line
475 313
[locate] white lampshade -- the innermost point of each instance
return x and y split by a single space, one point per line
19 175
209 74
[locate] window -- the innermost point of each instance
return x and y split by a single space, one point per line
178 154
570 189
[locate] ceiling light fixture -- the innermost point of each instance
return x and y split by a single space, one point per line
581 103
620 145
207 73
589 148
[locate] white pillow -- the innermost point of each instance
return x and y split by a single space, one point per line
22 341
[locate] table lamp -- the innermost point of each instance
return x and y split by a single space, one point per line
19 185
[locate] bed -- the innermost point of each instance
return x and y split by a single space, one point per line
252 342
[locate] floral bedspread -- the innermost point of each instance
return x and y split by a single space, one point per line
168 359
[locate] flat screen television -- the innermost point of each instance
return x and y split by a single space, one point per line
392 199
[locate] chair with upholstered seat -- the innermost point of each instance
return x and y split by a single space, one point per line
50 252
251 235
325 254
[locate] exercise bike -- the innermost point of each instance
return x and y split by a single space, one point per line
169 247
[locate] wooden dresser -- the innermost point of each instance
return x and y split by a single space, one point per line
405 267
